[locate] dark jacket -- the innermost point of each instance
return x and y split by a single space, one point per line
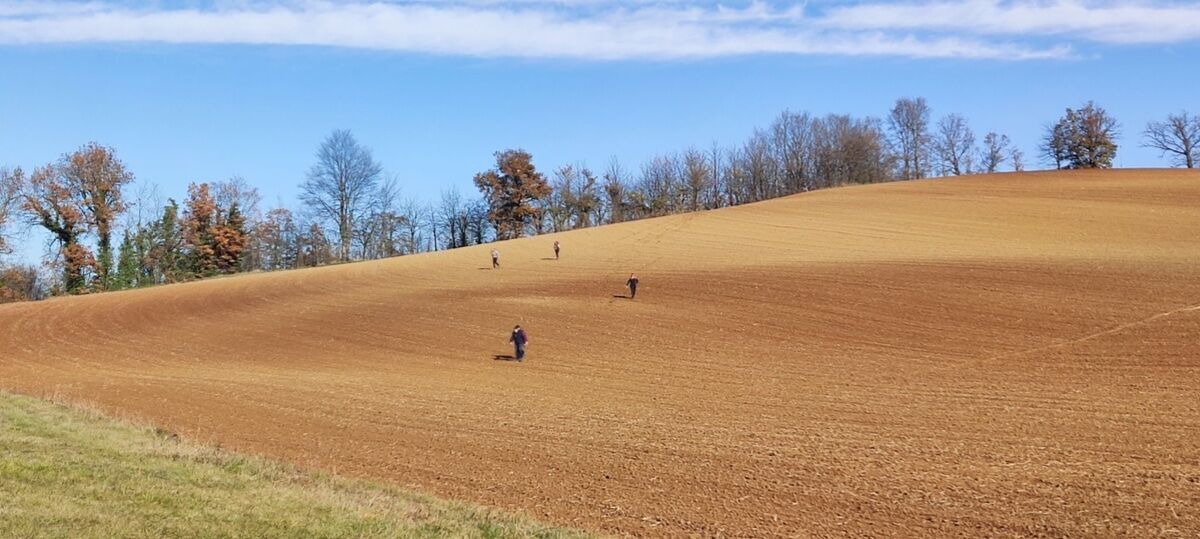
518 337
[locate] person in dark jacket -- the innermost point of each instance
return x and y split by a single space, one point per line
519 339
632 284
556 249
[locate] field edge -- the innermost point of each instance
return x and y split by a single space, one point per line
67 469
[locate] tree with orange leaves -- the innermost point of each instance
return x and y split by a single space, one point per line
215 236
229 240
21 283
514 191
49 198
96 178
79 194
199 218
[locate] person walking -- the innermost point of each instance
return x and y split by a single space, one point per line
495 259
632 284
519 339
556 249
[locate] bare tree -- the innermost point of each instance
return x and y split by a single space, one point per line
759 167
410 220
478 226
1018 160
662 184
792 139
847 150
312 247
616 181
236 192
1054 144
379 234
453 215
145 207
433 220
697 178
715 162
995 152
585 198
865 146
954 145
593 196
909 124
277 238
1178 136
733 177
559 204
387 211
574 200
341 186
10 190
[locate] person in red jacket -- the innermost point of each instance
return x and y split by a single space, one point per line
519 339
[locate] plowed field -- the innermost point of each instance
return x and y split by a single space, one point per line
999 355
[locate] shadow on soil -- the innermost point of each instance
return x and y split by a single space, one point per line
504 357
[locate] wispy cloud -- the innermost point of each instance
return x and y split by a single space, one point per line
1129 22
25 8
607 30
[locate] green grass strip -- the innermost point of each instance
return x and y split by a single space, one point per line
67 472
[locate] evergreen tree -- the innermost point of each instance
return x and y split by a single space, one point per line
162 245
128 265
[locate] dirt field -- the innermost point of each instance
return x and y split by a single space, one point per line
990 356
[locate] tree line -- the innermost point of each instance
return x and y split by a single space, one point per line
105 235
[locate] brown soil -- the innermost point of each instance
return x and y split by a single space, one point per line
1006 355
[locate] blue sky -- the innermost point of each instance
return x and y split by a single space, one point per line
197 91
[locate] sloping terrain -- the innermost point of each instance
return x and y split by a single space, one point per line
77 474
1015 354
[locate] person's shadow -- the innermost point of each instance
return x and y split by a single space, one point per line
504 357
622 296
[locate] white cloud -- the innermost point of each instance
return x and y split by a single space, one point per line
25 8
608 30
1128 22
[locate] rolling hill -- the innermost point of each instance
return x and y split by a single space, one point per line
1014 354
